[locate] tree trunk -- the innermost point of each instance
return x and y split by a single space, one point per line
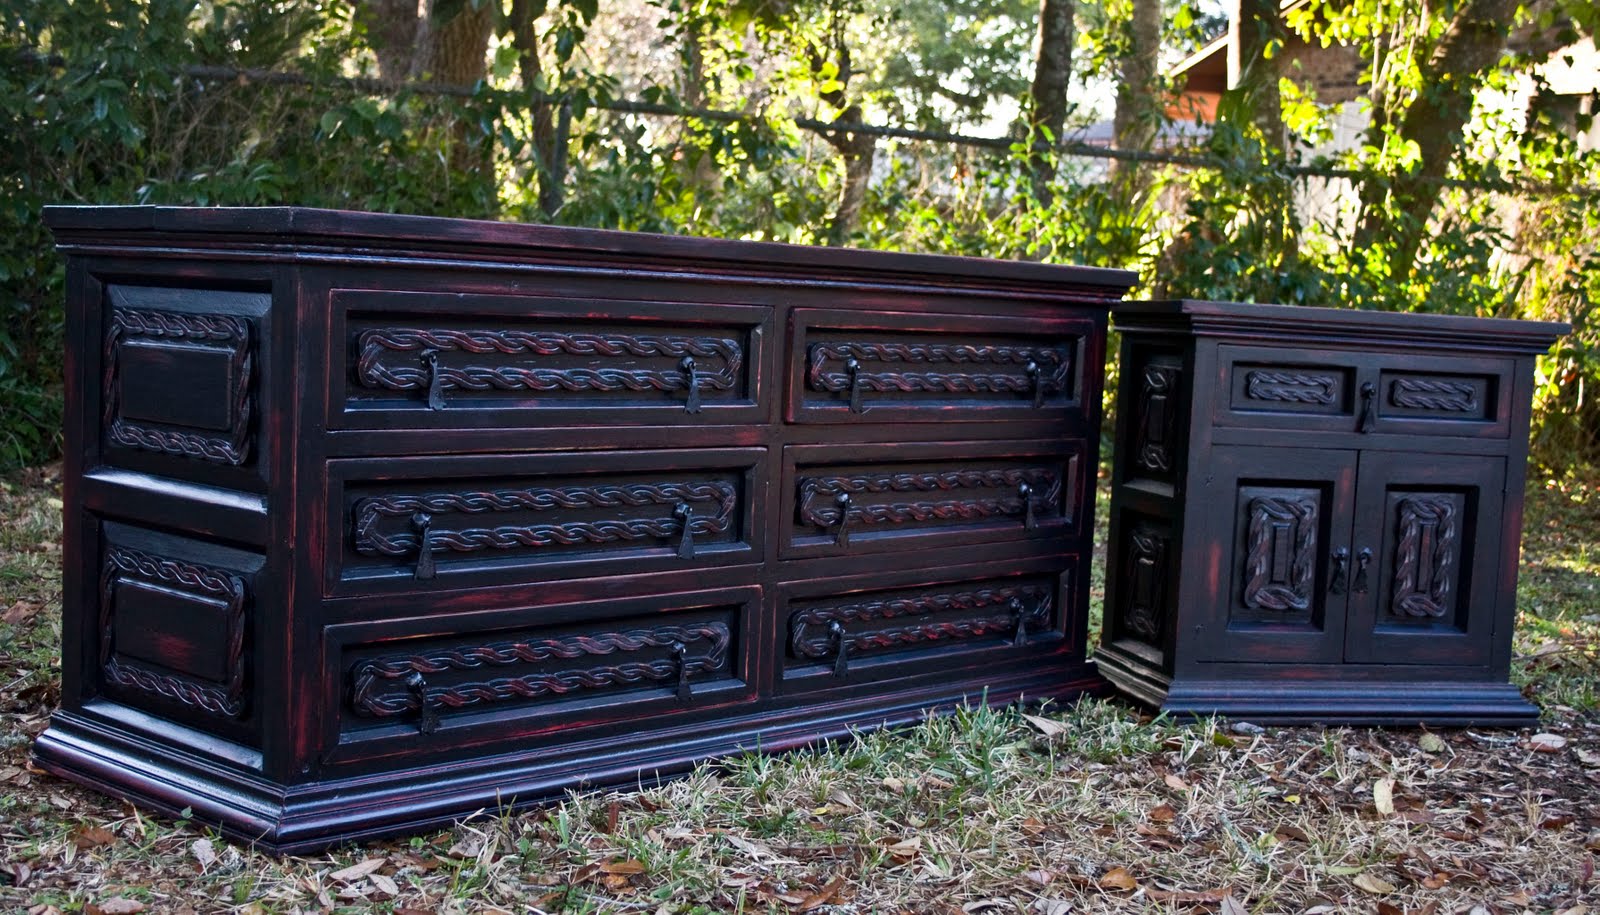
1253 25
1138 113
858 152
549 148
1052 73
1435 121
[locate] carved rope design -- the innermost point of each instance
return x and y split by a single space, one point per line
370 540
373 680
1145 615
1157 417
824 645
234 331
1292 387
1442 396
1054 364
1416 515
817 506
374 345
1294 593
220 699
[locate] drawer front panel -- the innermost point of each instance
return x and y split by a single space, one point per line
544 670
533 517
853 367
418 361
175 619
1436 397
885 497
1300 389
885 628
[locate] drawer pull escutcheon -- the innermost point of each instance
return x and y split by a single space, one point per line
852 367
685 516
680 654
1036 381
1369 412
1025 493
423 521
427 718
1341 561
1020 614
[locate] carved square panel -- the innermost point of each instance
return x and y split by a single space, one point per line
1427 562
1280 541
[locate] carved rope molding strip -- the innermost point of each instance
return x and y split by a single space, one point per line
1416 514
1442 396
1265 515
369 540
127 323
1291 387
817 506
126 563
1054 363
370 678
824 646
373 345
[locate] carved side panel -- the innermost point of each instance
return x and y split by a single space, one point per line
174 630
1426 556
1144 588
1281 554
1157 418
180 383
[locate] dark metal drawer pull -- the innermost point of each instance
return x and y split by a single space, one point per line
842 536
1025 492
430 367
841 648
852 367
1341 561
1022 616
1363 558
1036 381
427 718
1369 412
422 521
692 381
680 654
685 516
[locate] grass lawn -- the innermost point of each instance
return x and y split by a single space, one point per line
1084 808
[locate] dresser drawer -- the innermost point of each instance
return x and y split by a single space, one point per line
421 523
851 499
921 621
853 366
1363 392
422 360
448 681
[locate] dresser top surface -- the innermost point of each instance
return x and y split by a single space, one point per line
403 236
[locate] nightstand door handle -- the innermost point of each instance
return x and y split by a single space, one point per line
1369 409
1363 558
1025 492
1341 561
1036 382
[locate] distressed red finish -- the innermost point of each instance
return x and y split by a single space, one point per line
1315 514
417 517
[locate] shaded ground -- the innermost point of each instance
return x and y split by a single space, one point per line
1088 808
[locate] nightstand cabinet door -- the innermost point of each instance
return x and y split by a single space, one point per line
1281 520
1426 552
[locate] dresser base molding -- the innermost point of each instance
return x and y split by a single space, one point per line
301 820
1342 700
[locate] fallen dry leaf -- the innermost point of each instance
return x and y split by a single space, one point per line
828 893
1032 827
1163 813
1430 742
1546 743
1383 796
1041 877
204 853
629 866
838 796
1176 783
385 885
93 837
1046 726
905 848
1375 885
1588 758
120 905
1232 906
20 612
356 871
1189 897
1043 906
984 905
1118 878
